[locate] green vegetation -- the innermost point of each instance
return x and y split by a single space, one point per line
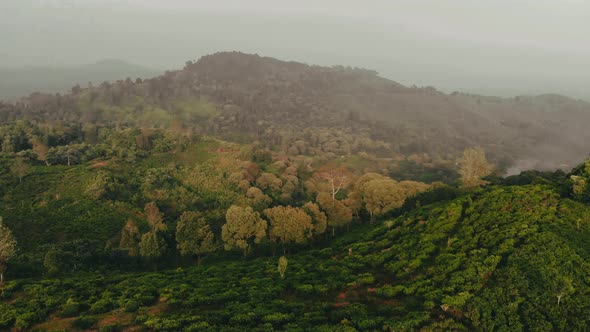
147 206
506 258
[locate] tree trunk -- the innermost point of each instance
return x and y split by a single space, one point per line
245 251
333 231
558 299
20 179
1 278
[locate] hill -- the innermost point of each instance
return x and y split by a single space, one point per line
333 110
163 204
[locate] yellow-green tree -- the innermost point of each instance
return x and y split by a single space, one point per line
257 199
242 228
194 235
318 218
289 224
474 166
338 213
382 196
152 245
283 262
20 169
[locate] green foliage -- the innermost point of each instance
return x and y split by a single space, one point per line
283 262
152 245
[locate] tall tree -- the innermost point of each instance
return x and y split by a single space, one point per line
7 249
337 179
338 213
289 224
474 166
152 245
257 199
130 238
318 218
243 227
382 196
194 235
20 169
154 217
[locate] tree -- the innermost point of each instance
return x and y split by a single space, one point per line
257 199
154 217
269 181
8 247
382 196
338 213
40 149
130 238
318 218
283 262
51 261
152 245
289 224
194 235
243 227
100 185
337 179
20 169
474 166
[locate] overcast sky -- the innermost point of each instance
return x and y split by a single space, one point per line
486 45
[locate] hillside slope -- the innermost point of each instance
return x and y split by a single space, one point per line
506 258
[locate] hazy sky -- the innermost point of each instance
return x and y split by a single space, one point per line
522 45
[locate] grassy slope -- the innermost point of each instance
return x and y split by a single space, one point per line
492 260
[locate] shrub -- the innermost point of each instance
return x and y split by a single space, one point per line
101 306
84 322
70 309
131 306
24 321
110 328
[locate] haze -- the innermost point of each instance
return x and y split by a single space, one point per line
490 47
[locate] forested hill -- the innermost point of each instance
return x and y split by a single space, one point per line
247 193
338 110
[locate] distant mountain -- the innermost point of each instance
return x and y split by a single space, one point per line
22 81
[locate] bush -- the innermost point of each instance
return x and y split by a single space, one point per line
84 322
101 306
131 306
110 328
70 309
24 321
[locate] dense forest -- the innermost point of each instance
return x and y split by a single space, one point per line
282 196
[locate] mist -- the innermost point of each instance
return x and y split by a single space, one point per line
497 48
